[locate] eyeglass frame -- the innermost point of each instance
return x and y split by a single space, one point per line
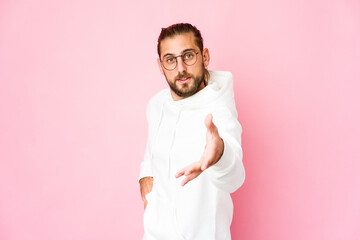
182 59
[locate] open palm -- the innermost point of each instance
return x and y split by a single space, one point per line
213 151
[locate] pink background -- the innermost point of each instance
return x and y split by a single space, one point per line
75 78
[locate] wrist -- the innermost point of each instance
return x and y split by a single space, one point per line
221 150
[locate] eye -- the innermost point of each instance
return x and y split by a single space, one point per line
188 55
170 59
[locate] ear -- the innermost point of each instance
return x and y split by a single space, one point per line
206 57
160 67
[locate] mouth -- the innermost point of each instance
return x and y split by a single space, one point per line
183 80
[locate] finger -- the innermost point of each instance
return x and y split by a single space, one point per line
189 169
189 178
208 121
179 174
212 129
186 171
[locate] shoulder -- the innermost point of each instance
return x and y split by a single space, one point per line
158 98
222 77
156 101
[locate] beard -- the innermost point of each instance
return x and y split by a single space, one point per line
186 89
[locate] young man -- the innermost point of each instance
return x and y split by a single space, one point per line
193 158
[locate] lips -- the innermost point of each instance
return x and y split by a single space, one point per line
184 80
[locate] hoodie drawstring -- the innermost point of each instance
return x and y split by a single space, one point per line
157 130
173 140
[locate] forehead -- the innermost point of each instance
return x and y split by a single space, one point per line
176 44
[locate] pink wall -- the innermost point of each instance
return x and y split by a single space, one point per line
75 77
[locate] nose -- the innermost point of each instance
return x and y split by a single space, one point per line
181 65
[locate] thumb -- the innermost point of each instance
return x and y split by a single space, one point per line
209 123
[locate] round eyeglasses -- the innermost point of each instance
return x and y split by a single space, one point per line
170 62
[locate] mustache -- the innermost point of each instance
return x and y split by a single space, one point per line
184 75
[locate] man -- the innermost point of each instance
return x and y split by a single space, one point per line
193 158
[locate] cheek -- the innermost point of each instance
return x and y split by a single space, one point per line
198 70
170 76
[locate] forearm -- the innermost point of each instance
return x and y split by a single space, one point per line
228 173
145 170
146 185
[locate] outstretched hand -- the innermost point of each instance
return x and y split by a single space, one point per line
212 153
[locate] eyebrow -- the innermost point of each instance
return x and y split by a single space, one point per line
188 49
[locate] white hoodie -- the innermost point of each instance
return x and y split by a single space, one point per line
202 209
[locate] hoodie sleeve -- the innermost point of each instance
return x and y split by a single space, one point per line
145 166
228 173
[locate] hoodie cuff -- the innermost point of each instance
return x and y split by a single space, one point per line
145 172
143 176
227 159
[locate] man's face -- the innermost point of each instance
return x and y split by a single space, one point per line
184 80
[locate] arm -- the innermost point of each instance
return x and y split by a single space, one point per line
146 177
146 185
222 155
228 173
145 166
